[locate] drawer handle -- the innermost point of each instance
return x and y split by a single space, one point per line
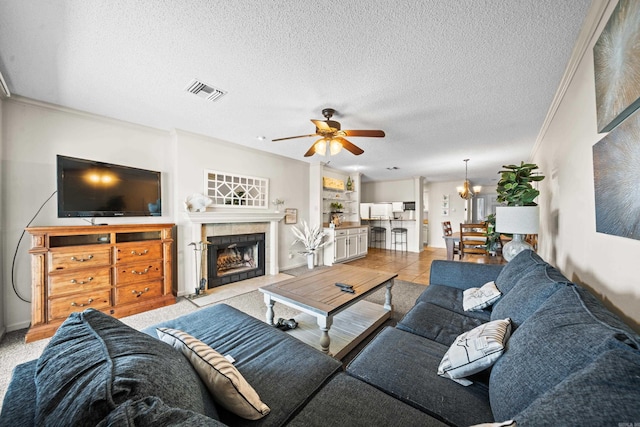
145 271
81 259
89 301
140 253
139 293
81 282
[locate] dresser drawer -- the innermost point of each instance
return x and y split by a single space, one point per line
79 281
79 257
138 292
138 251
139 272
60 308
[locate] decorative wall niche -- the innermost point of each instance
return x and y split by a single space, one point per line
231 190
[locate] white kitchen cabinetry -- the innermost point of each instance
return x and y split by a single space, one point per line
363 241
345 244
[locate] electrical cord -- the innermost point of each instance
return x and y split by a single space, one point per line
15 254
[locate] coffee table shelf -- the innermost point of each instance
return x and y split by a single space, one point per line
332 321
349 327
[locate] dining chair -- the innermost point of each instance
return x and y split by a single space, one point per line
447 231
473 239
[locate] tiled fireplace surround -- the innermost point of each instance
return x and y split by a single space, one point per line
203 224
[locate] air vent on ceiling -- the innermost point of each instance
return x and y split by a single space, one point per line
205 91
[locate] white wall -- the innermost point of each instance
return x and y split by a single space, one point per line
195 153
388 191
32 135
436 217
606 264
3 265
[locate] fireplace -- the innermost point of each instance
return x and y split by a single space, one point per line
235 257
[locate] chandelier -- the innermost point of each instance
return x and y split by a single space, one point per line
465 190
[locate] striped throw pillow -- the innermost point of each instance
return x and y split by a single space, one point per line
227 386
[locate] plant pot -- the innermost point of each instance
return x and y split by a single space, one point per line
311 261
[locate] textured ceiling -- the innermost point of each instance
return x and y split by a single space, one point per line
446 80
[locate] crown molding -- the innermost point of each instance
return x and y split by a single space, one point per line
585 40
4 88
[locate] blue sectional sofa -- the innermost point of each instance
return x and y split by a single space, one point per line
566 361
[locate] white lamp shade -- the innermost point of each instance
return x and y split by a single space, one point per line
517 219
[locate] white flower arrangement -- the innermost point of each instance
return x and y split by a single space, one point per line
311 238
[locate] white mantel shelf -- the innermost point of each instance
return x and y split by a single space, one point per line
233 217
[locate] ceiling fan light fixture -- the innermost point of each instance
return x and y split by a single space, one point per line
321 147
335 147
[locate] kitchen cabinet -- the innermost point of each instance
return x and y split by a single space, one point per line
345 244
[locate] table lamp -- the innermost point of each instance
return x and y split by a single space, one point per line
519 221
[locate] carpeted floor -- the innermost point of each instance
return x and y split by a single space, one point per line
14 351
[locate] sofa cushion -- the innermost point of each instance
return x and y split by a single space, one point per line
151 411
605 390
437 323
562 337
475 351
462 275
405 366
451 298
477 299
227 386
346 401
94 362
516 268
269 359
530 291
19 405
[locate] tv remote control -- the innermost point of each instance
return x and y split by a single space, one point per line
344 285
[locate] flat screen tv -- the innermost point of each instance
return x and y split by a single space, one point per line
88 188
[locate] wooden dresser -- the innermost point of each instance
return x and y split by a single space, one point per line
118 269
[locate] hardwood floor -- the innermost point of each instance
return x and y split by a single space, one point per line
411 266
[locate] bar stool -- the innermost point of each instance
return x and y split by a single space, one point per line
378 235
399 237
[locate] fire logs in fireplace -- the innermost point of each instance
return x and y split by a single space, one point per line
234 258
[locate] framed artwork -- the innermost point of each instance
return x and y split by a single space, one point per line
444 205
617 75
290 216
616 176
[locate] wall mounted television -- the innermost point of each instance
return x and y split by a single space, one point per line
88 188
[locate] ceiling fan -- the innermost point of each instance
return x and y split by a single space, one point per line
333 137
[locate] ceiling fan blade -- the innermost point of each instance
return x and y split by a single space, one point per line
293 137
369 133
350 147
311 151
322 125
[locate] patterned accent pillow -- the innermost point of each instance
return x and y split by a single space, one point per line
475 299
227 386
475 351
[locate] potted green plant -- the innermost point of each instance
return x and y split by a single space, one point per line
311 238
493 237
336 207
520 216
514 187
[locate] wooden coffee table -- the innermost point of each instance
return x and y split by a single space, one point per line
324 304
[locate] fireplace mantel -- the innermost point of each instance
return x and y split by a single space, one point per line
233 217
